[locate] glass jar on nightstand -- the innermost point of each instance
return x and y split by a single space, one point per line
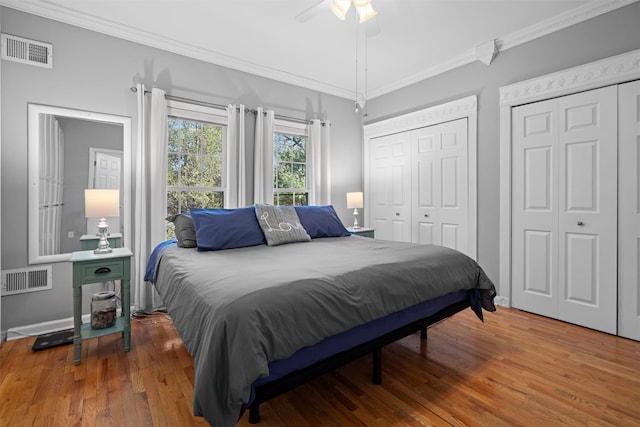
103 310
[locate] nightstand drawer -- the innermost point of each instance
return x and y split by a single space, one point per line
100 271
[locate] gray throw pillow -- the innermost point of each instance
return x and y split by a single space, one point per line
184 229
280 225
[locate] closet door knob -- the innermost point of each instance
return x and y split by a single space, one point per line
397 213
580 223
426 215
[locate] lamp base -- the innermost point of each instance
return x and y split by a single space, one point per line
103 243
99 251
355 220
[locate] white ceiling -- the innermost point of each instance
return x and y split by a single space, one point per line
408 41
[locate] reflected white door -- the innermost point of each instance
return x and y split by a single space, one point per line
565 208
629 214
106 172
390 187
440 185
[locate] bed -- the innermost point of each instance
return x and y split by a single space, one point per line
263 318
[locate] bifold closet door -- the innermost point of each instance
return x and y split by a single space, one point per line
390 186
534 284
629 214
440 211
564 211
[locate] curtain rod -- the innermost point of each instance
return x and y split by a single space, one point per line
178 98
211 104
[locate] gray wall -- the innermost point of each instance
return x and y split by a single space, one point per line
94 72
607 35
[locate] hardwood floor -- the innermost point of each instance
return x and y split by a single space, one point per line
515 369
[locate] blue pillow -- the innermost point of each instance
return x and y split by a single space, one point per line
218 229
321 221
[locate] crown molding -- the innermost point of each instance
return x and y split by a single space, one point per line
447 65
60 13
557 23
596 74
56 11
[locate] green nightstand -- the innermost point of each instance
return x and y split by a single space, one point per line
90 241
94 268
362 231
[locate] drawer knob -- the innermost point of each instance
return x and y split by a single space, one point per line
102 270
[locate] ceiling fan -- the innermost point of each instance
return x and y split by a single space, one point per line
340 8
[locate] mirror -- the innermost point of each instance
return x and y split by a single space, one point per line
65 148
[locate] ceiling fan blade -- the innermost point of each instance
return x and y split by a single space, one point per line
309 12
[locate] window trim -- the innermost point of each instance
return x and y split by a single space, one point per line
200 113
299 129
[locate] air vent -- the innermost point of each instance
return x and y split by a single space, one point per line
27 51
21 280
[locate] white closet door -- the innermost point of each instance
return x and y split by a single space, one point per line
629 214
440 185
564 208
534 285
588 189
390 187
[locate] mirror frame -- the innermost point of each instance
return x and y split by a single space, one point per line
34 111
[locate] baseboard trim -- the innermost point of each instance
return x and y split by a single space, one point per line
502 301
45 327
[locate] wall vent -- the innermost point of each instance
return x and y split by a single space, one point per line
21 280
27 51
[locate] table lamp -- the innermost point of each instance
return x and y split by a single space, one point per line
355 201
102 203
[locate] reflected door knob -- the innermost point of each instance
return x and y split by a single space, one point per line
397 213
580 223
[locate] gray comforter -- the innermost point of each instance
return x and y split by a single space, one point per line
237 310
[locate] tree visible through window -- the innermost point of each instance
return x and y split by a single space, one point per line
290 169
195 166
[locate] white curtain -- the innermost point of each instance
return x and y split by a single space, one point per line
318 163
151 189
263 157
236 195
51 184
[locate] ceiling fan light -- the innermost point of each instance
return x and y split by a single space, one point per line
340 8
361 3
366 12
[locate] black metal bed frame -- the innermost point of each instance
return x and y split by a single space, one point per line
275 388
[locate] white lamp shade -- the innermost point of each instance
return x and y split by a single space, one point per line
355 200
101 203
340 8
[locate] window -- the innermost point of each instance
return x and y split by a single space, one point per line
290 165
196 167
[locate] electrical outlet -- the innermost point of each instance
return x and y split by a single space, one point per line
70 235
